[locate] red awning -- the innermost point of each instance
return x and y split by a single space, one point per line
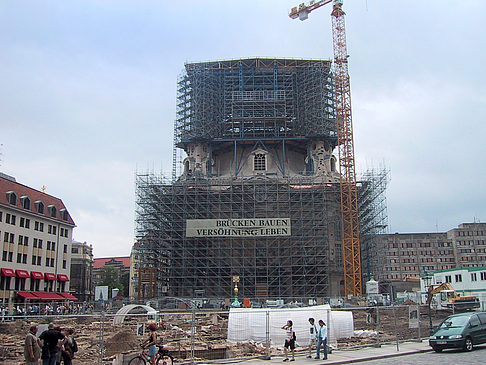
22 273
8 272
69 296
62 277
36 275
27 295
48 296
49 276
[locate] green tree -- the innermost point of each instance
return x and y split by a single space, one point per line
111 278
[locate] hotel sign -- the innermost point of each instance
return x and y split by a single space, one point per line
247 227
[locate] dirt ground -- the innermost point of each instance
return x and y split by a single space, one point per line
175 332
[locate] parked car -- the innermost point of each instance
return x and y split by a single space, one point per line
462 331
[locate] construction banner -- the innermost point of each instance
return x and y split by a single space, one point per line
247 227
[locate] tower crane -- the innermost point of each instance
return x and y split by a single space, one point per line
349 194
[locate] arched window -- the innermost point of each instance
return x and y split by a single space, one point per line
52 211
12 197
260 162
25 201
39 206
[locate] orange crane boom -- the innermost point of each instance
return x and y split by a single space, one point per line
349 194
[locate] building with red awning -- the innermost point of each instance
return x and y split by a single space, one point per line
37 232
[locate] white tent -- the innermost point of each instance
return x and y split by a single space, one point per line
125 310
249 324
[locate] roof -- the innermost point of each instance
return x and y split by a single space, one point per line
8 184
470 269
101 262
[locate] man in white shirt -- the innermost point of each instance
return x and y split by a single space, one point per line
321 339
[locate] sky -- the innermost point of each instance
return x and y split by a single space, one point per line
88 97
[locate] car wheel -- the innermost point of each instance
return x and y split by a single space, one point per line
468 344
436 349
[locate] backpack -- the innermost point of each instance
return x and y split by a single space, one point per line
75 346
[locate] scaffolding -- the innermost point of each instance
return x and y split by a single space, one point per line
296 266
226 110
255 98
373 219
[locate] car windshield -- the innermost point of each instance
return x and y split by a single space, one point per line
454 322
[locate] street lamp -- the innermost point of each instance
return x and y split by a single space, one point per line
236 280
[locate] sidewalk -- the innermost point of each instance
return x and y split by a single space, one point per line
354 356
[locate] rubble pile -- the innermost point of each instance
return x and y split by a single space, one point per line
175 333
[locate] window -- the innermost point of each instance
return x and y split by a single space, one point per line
39 226
474 321
64 214
12 197
25 201
482 317
474 277
259 162
39 207
40 244
27 223
52 211
74 250
65 249
483 275
48 245
448 279
64 264
1 213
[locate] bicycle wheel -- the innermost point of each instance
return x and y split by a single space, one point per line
137 360
165 360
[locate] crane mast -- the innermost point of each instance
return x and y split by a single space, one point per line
348 190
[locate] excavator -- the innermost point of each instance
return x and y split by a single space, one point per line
449 299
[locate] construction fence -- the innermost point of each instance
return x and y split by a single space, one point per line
205 335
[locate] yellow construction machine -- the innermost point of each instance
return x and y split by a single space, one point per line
443 296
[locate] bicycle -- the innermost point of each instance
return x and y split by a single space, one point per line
163 357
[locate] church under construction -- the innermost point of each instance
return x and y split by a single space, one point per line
257 195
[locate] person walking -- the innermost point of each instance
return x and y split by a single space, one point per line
289 341
321 340
32 346
312 336
151 342
51 339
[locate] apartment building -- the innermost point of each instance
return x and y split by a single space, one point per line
404 257
36 234
82 271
